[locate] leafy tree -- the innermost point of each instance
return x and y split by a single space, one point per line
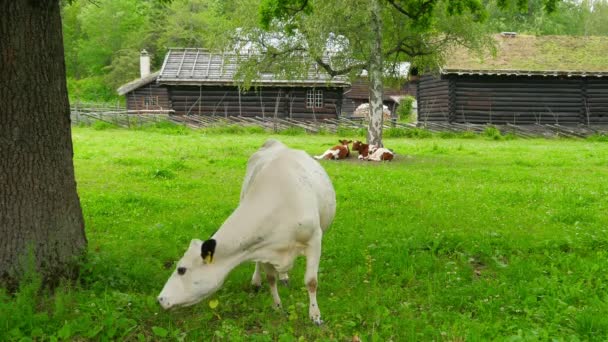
389 31
345 37
101 36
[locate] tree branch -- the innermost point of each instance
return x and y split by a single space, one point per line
334 73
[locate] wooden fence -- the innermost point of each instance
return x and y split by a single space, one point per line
124 118
87 114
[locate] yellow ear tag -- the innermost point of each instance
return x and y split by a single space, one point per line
214 303
208 259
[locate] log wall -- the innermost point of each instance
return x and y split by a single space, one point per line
433 99
136 98
226 101
596 109
515 100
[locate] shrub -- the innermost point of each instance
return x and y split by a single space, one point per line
467 135
492 133
351 132
395 132
102 125
598 137
404 111
419 133
293 130
167 127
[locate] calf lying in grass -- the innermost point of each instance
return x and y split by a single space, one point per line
287 203
337 152
373 152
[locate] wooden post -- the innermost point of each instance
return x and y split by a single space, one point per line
276 110
584 117
291 100
262 104
240 108
452 100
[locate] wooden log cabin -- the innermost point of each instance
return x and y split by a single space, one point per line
196 82
531 80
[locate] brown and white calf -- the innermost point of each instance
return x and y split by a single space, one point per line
337 152
380 154
373 152
362 148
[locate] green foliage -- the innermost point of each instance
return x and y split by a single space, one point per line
102 125
581 18
90 89
404 111
598 137
492 133
293 131
351 132
233 129
489 252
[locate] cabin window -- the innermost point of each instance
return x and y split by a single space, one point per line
314 99
150 101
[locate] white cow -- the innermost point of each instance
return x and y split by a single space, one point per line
287 203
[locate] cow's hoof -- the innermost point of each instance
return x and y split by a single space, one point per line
285 282
317 320
256 288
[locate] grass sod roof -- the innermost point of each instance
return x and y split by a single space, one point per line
535 55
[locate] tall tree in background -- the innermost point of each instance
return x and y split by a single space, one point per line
39 208
394 30
377 35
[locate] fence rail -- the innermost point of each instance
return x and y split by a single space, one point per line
131 118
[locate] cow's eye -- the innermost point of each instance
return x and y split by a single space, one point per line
181 270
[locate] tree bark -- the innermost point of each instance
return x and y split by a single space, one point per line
374 131
40 211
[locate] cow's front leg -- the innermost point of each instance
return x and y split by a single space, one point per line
313 255
271 276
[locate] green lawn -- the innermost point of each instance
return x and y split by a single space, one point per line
457 239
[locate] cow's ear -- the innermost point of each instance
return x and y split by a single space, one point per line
207 251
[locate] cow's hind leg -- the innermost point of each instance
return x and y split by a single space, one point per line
313 255
256 279
271 276
284 278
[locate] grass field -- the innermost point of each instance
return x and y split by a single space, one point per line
457 239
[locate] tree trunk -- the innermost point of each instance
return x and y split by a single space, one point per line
40 211
374 131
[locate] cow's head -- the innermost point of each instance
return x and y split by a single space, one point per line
195 277
360 147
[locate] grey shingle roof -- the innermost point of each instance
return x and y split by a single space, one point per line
198 66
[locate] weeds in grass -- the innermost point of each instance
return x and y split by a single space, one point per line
293 130
492 133
102 125
598 137
351 132
232 129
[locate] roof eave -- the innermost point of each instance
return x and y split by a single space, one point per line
285 83
510 72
